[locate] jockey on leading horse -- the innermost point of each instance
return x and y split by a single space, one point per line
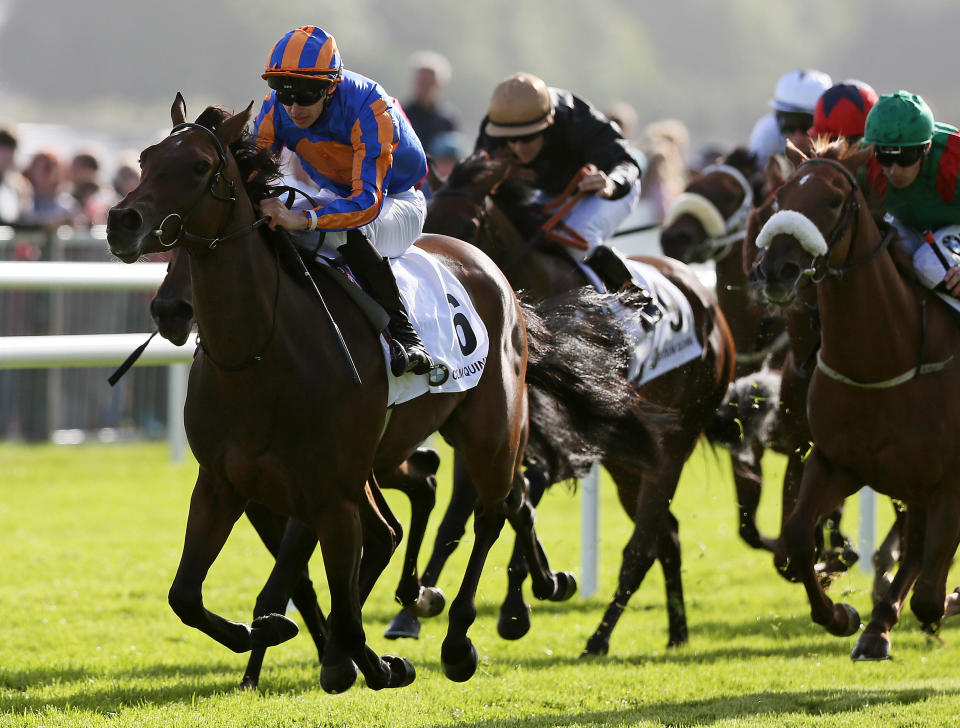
365 158
559 137
915 171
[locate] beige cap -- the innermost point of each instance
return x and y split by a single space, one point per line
520 105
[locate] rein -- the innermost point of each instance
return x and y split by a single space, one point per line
182 233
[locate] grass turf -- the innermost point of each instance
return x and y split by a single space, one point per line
91 538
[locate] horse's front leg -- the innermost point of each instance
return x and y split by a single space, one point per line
822 488
748 482
340 534
791 491
214 508
874 643
942 536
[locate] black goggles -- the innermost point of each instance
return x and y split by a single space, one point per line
301 95
525 138
793 121
902 156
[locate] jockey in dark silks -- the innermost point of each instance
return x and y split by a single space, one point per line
365 158
558 136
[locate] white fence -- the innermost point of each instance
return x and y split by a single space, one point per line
110 349
44 352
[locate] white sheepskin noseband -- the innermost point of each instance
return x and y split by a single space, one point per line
698 206
791 222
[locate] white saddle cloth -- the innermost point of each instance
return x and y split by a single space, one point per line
673 341
444 316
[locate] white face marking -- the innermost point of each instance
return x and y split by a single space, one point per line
803 180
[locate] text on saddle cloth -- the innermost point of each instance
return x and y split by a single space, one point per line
444 315
673 341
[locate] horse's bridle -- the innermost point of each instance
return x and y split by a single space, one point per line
848 218
182 233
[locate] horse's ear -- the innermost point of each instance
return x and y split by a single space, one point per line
794 154
773 174
178 112
857 159
232 129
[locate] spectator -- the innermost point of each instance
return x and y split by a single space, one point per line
427 113
86 190
127 175
51 206
624 116
15 192
447 149
665 144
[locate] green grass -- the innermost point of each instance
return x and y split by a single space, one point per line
90 539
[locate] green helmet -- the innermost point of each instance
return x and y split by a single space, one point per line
902 119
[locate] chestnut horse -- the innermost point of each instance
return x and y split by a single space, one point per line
274 414
468 208
883 395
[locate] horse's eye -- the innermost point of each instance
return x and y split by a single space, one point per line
835 202
201 167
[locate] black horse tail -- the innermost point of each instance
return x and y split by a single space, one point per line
749 412
581 404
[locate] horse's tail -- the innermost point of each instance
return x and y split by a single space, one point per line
749 411
581 404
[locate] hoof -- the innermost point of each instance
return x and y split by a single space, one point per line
678 641
513 627
462 669
566 586
596 647
403 625
430 602
248 683
338 678
871 647
951 605
402 672
272 629
846 621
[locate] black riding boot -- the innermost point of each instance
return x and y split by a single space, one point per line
616 276
407 352
610 267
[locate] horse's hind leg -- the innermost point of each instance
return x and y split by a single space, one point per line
288 577
748 481
449 533
888 554
668 552
214 508
514 620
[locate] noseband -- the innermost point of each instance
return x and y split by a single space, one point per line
181 220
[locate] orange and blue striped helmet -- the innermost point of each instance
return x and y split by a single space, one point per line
305 52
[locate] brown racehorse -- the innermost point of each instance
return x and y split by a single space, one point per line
172 311
273 413
883 396
708 223
466 208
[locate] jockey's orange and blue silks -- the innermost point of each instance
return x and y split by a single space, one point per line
306 52
362 148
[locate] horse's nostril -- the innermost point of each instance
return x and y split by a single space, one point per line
124 219
789 272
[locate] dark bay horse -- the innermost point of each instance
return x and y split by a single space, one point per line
172 310
883 397
469 206
708 223
274 415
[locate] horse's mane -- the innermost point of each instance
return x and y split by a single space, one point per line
259 169
829 148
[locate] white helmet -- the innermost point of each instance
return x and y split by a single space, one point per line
799 90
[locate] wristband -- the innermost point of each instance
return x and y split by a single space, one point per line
312 217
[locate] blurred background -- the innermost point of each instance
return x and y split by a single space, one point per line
86 85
